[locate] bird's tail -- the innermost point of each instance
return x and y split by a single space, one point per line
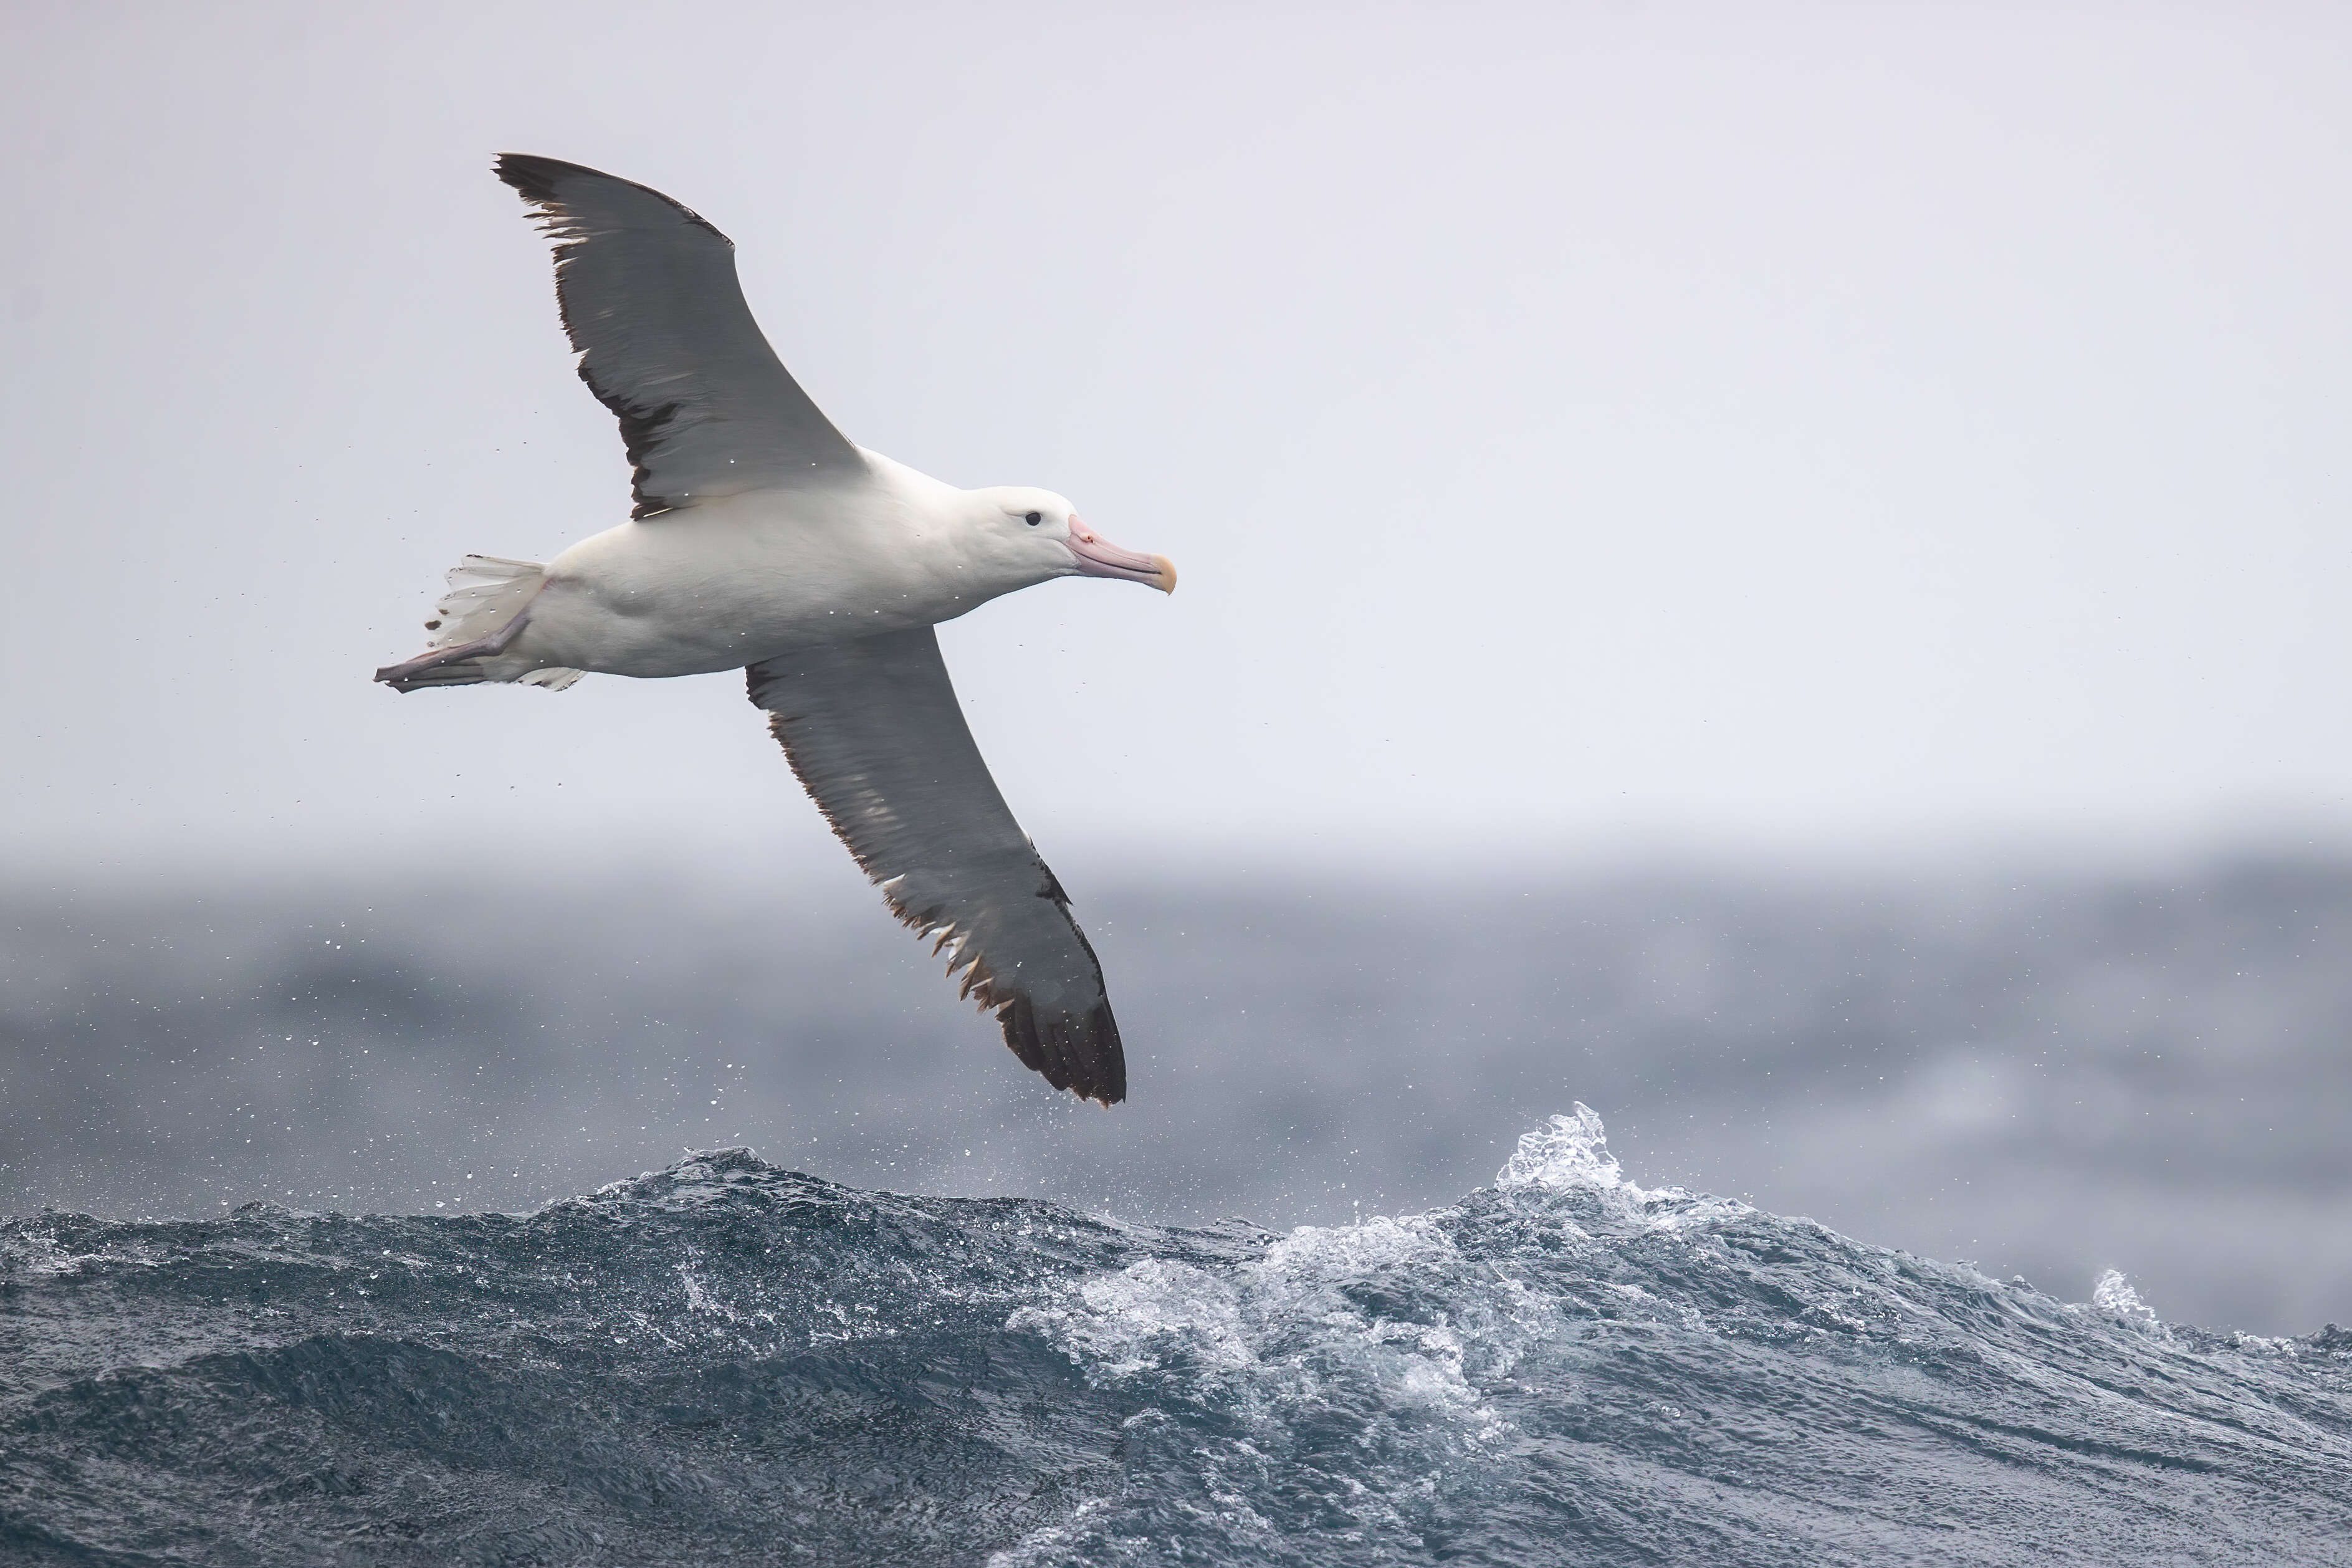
488 602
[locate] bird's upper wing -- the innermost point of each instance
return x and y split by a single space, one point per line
649 294
874 731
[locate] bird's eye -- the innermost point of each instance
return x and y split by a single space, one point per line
1034 518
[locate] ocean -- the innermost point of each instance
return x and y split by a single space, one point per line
317 1255
727 1362
2047 1072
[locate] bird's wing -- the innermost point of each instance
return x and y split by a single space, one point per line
874 731
649 294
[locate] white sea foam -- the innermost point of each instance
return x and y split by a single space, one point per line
699 1298
1133 1320
1283 1326
1282 1330
39 1255
1570 1152
2112 1296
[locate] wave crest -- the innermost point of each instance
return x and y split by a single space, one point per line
726 1360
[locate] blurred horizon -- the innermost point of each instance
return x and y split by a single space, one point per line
2051 1073
786 846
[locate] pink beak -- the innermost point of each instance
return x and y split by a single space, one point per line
1098 557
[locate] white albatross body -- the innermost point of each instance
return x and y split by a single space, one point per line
745 577
763 540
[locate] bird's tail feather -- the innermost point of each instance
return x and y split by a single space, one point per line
486 594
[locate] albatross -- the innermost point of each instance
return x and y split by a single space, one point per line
764 540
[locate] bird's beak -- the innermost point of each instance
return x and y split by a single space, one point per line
1099 557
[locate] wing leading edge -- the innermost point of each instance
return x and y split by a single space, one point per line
874 732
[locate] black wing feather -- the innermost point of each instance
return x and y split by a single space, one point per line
649 297
874 732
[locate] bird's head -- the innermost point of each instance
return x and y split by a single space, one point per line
1042 531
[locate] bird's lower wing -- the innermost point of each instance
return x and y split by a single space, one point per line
874 730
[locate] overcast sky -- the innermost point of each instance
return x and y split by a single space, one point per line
1712 422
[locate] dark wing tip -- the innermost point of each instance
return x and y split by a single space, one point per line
534 176
537 180
1077 1051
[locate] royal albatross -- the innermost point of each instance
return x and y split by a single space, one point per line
763 539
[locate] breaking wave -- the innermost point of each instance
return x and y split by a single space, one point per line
726 1361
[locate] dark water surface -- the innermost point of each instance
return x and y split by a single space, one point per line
2051 1076
730 1363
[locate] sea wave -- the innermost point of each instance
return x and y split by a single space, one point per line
724 1360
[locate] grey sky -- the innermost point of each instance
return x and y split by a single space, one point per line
1781 421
